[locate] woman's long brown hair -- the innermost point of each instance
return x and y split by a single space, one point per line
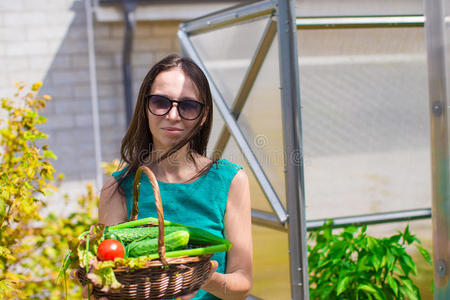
137 144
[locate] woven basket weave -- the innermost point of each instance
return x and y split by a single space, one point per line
161 278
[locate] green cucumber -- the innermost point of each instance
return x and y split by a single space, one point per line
173 241
198 236
128 235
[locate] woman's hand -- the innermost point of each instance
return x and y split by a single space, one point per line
214 266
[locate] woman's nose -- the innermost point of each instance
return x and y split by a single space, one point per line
173 112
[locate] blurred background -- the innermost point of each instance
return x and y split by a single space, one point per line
364 97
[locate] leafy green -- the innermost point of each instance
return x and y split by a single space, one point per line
353 265
104 277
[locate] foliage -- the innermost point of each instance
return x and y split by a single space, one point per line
55 237
354 265
32 245
25 176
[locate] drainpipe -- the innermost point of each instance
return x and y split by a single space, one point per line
94 95
129 7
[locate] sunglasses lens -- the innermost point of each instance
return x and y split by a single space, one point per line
190 109
159 105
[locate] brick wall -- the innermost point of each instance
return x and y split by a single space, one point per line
47 40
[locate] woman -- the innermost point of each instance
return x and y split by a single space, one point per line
169 133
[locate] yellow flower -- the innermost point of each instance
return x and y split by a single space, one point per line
36 86
47 97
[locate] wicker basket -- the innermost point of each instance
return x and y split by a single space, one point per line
161 278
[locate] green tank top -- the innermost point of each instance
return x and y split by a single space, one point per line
200 203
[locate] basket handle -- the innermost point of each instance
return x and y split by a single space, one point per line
159 207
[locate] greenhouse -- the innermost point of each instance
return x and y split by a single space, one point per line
361 74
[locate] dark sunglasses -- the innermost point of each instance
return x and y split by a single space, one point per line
161 105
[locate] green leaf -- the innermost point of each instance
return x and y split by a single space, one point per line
409 262
325 291
390 260
6 286
49 154
106 278
375 261
395 239
372 242
29 136
407 283
408 237
363 230
28 185
425 254
393 284
351 229
397 270
366 288
342 285
411 294
41 119
370 291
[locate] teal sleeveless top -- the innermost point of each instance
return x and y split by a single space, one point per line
200 203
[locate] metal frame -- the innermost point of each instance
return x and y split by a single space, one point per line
247 83
129 8
287 24
228 16
269 220
359 22
438 72
292 133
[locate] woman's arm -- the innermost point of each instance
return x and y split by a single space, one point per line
237 282
112 208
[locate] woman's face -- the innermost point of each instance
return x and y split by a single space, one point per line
170 129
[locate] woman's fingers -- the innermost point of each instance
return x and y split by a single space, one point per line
214 266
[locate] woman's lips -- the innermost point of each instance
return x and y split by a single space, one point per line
172 130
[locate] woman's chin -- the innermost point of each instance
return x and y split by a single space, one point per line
168 144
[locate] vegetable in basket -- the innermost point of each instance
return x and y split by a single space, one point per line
110 249
99 257
173 241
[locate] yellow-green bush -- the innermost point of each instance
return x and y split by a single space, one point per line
32 245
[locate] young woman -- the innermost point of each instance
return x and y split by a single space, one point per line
169 133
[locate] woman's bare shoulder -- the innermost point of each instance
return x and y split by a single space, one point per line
239 183
110 184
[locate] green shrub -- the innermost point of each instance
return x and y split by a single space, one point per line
32 245
354 265
25 178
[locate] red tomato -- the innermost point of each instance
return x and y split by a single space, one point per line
110 249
